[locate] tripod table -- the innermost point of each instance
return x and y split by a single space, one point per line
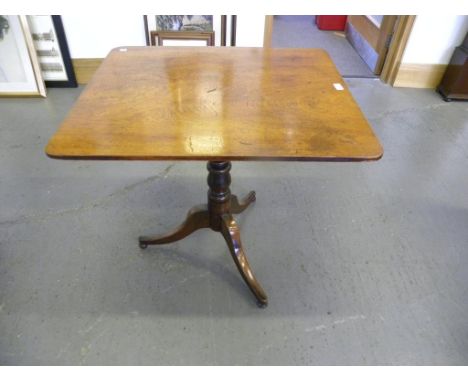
219 105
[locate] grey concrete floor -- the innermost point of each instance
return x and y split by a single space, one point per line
302 32
364 263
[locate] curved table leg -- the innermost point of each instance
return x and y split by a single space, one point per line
237 207
197 218
231 234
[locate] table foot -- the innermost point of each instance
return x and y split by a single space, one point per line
237 207
231 234
197 218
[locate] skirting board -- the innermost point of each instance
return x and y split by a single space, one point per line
85 68
409 75
419 75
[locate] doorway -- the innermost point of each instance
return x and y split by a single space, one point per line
364 50
302 32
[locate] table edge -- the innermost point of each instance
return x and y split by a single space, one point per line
216 158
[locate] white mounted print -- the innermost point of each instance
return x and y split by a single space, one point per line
20 73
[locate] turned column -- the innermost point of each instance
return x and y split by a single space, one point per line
219 194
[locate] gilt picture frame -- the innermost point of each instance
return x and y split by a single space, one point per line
193 24
182 38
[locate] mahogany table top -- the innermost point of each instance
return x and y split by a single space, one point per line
216 104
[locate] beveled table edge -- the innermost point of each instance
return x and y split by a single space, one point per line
216 158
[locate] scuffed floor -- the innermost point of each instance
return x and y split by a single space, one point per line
364 263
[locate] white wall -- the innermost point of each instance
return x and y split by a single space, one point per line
94 36
434 38
250 30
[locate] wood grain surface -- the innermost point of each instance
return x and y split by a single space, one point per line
215 103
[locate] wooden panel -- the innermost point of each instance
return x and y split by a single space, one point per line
397 48
370 39
215 103
362 47
85 68
268 32
385 34
369 31
385 31
419 75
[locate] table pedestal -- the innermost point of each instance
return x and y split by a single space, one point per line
217 215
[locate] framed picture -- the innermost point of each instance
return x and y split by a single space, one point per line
194 23
205 30
52 51
182 38
20 73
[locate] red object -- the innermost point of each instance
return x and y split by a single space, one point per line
331 23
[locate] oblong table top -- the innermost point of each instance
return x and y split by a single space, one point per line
216 103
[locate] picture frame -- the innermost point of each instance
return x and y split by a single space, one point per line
52 50
189 24
20 72
182 38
